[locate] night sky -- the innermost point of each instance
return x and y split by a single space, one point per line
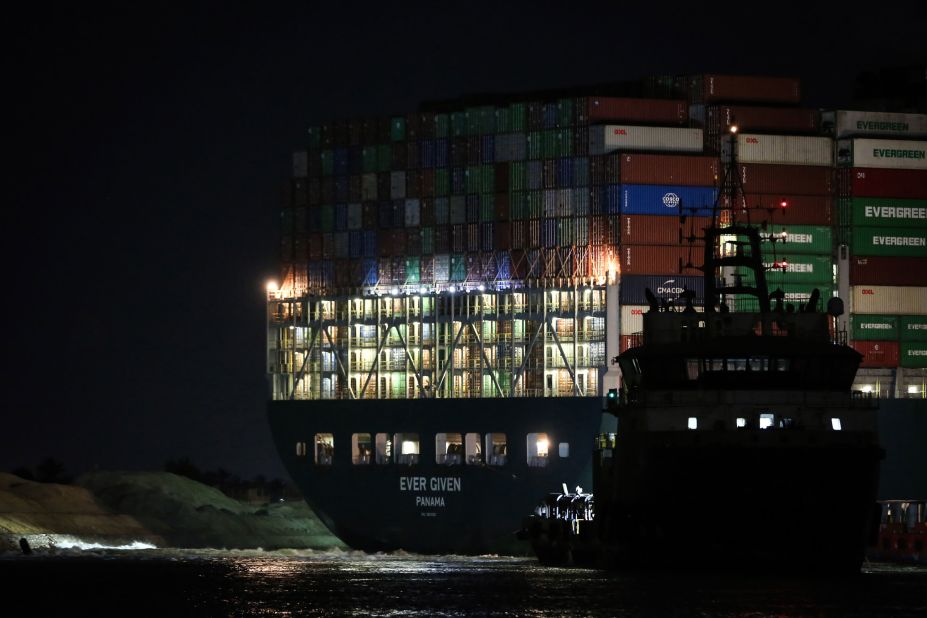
149 148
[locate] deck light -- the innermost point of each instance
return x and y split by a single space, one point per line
272 286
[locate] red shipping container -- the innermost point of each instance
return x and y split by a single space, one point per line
501 175
786 179
801 209
659 111
762 119
877 353
659 230
502 236
502 206
659 260
882 270
876 182
428 183
650 169
712 88
628 341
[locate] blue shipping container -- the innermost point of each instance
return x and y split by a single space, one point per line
488 150
441 153
663 287
565 173
341 161
356 243
667 200
341 217
426 152
371 272
613 199
370 244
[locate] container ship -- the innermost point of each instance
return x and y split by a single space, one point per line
455 280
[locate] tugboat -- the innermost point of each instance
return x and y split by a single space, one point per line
739 443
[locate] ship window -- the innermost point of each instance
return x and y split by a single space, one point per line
472 448
405 445
564 449
361 449
538 450
449 449
781 364
692 422
692 368
835 423
496 449
767 420
741 422
384 448
324 449
300 449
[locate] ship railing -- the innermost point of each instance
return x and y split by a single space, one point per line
449 459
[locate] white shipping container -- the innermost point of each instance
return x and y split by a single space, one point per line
611 137
355 216
887 153
889 300
780 149
844 123
413 213
632 318
397 185
300 164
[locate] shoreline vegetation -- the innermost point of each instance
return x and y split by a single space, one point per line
161 509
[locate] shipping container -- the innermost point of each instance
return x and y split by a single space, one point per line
913 354
845 123
877 353
892 271
913 328
759 208
882 153
875 182
796 295
610 138
651 169
718 119
785 271
672 200
868 327
644 111
790 240
659 260
786 179
781 149
885 212
712 88
889 241
665 288
632 318
889 300
660 230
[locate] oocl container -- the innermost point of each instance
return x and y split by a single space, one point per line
880 270
609 138
892 300
780 149
672 200
846 123
867 327
890 241
893 154
877 353
889 211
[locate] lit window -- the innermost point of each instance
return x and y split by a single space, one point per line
448 448
767 420
473 451
693 422
835 423
496 449
538 449
913 389
324 449
564 449
300 449
867 388
384 448
741 421
405 445
361 449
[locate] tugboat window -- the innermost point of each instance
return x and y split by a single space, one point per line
405 446
767 420
741 422
564 449
835 423
496 449
300 449
384 448
538 450
449 449
472 447
361 449
324 449
692 422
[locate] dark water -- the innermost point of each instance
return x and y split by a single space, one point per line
223 583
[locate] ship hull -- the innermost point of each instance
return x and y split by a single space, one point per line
430 507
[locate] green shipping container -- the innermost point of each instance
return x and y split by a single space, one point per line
488 178
503 120
459 124
565 112
369 157
800 269
397 129
535 204
518 176
413 270
458 267
867 327
328 162
487 207
474 179
442 181
487 120
428 240
442 125
913 328
535 146
474 115
794 294
888 212
795 240
890 241
566 142
384 157
519 117
913 354
327 216
550 141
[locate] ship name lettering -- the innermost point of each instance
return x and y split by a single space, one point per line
445 483
429 501
412 483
